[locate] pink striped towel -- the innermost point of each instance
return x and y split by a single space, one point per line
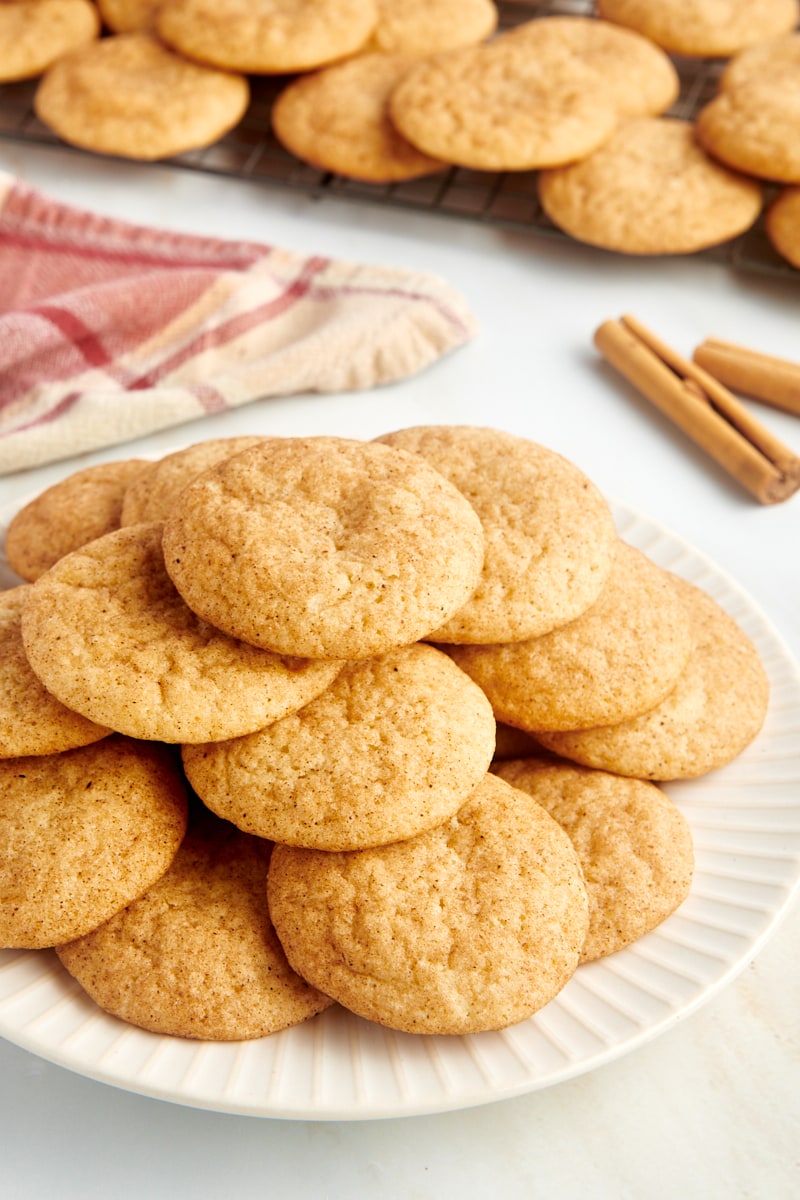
110 331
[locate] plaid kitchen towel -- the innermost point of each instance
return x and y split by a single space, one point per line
110 331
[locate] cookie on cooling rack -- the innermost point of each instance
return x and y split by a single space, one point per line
82 834
550 535
589 672
324 547
753 127
651 189
391 748
36 33
498 106
129 95
709 29
32 721
267 37
151 497
337 119
634 845
472 926
107 633
196 956
715 710
74 511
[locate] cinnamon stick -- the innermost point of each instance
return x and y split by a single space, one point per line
703 408
773 380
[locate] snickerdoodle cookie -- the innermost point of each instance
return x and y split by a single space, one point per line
651 189
472 926
32 720
196 956
267 36
82 834
498 106
107 633
634 845
74 511
36 33
324 547
129 95
754 127
337 119
550 536
619 658
712 28
715 710
393 747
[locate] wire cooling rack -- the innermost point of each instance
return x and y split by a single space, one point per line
504 199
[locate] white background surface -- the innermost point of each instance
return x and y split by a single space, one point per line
710 1109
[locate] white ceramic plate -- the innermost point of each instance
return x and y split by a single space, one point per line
745 820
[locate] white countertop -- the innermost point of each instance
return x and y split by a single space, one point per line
708 1109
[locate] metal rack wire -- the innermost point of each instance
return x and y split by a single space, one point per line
507 200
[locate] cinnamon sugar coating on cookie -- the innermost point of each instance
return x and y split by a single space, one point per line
472 926
391 748
324 547
82 834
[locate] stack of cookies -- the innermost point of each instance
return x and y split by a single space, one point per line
249 759
385 93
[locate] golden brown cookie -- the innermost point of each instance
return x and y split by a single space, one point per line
72 512
324 547
267 36
196 956
498 107
715 29
550 536
754 127
151 497
393 747
36 33
782 223
130 96
472 926
419 28
622 656
763 60
639 76
107 633
32 721
651 189
715 710
634 845
337 119
82 834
